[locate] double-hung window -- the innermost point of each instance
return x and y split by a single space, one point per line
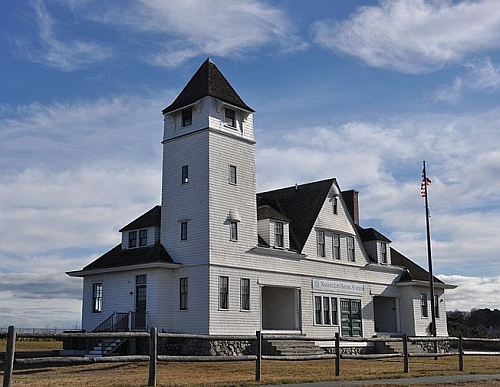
335 204
325 310
132 239
97 297
183 293
423 305
336 246
223 292
245 293
143 237
278 234
383 252
436 306
350 249
187 117
321 243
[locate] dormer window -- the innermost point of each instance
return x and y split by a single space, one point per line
187 117
132 239
383 252
278 235
230 117
143 237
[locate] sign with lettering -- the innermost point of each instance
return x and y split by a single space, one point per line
341 287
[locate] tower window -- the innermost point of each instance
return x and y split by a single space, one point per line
184 231
187 117
233 231
230 117
232 174
185 174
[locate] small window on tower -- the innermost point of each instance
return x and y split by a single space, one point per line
230 117
232 174
187 116
185 174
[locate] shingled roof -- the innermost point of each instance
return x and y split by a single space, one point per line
207 81
118 257
152 218
301 204
414 272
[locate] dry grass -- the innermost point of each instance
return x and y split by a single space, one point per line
243 373
33 345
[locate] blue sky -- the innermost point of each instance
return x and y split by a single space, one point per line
360 90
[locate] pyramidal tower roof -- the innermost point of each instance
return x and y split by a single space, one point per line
207 81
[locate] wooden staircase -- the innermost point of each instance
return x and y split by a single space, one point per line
105 347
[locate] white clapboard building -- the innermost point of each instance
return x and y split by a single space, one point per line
218 258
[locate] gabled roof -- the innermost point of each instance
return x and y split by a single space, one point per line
301 204
207 81
370 234
152 218
118 257
267 212
414 272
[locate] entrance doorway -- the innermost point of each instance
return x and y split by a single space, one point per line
350 314
280 309
139 319
385 314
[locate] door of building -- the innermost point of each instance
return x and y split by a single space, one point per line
140 302
351 322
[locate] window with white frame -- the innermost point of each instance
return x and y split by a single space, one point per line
97 297
423 305
187 116
325 310
185 174
335 204
230 117
223 292
232 175
132 239
336 246
436 306
321 243
183 293
383 252
245 293
278 234
143 237
350 249
233 230
184 231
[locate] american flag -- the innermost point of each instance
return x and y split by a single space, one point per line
425 181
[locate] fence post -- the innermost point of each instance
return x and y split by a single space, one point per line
9 357
406 355
337 354
153 355
258 352
460 353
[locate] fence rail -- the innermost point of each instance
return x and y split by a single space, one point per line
12 334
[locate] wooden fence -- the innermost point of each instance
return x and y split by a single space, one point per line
153 356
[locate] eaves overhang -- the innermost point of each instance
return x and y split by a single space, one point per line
281 253
425 284
117 269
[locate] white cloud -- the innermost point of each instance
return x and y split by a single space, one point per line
197 27
483 74
450 93
53 50
472 292
415 36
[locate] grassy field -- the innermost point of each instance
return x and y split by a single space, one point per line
235 374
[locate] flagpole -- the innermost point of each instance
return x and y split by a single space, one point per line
429 255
